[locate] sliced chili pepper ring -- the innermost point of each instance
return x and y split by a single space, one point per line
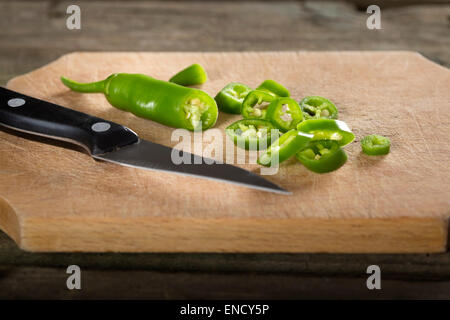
273 88
285 147
255 104
252 134
230 98
316 107
327 129
284 113
322 156
375 145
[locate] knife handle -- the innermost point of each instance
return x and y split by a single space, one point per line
31 115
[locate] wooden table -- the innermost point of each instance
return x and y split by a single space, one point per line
33 33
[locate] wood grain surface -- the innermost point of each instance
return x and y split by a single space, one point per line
59 199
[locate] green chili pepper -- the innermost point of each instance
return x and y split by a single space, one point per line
322 156
190 76
327 129
252 134
285 147
375 145
230 98
153 99
274 88
255 104
284 113
315 107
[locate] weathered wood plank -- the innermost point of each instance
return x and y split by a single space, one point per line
50 283
34 33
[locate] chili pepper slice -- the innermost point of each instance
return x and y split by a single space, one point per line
161 101
284 113
255 104
252 134
274 88
322 156
230 98
315 107
285 147
375 145
327 129
190 76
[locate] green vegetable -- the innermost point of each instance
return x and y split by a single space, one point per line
284 113
160 101
230 98
375 145
273 88
285 147
252 134
315 107
322 156
255 104
327 129
190 76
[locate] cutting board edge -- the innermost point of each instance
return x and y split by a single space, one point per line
239 235
9 221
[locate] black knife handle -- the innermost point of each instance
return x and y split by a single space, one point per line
23 113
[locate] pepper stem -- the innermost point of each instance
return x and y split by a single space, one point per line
91 87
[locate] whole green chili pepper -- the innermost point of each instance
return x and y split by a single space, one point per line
327 129
252 134
375 145
230 98
255 104
190 76
284 113
274 88
322 156
285 147
160 101
315 107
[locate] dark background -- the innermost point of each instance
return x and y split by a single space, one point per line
33 33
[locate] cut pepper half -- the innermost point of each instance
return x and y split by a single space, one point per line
284 113
322 156
285 147
190 76
255 104
315 107
327 129
274 88
252 134
161 101
230 98
375 145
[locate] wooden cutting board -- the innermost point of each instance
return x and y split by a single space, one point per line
58 199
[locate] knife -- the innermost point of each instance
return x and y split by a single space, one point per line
112 142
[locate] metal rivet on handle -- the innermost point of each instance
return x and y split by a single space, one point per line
16 102
101 126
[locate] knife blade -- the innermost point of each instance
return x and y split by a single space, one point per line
112 142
